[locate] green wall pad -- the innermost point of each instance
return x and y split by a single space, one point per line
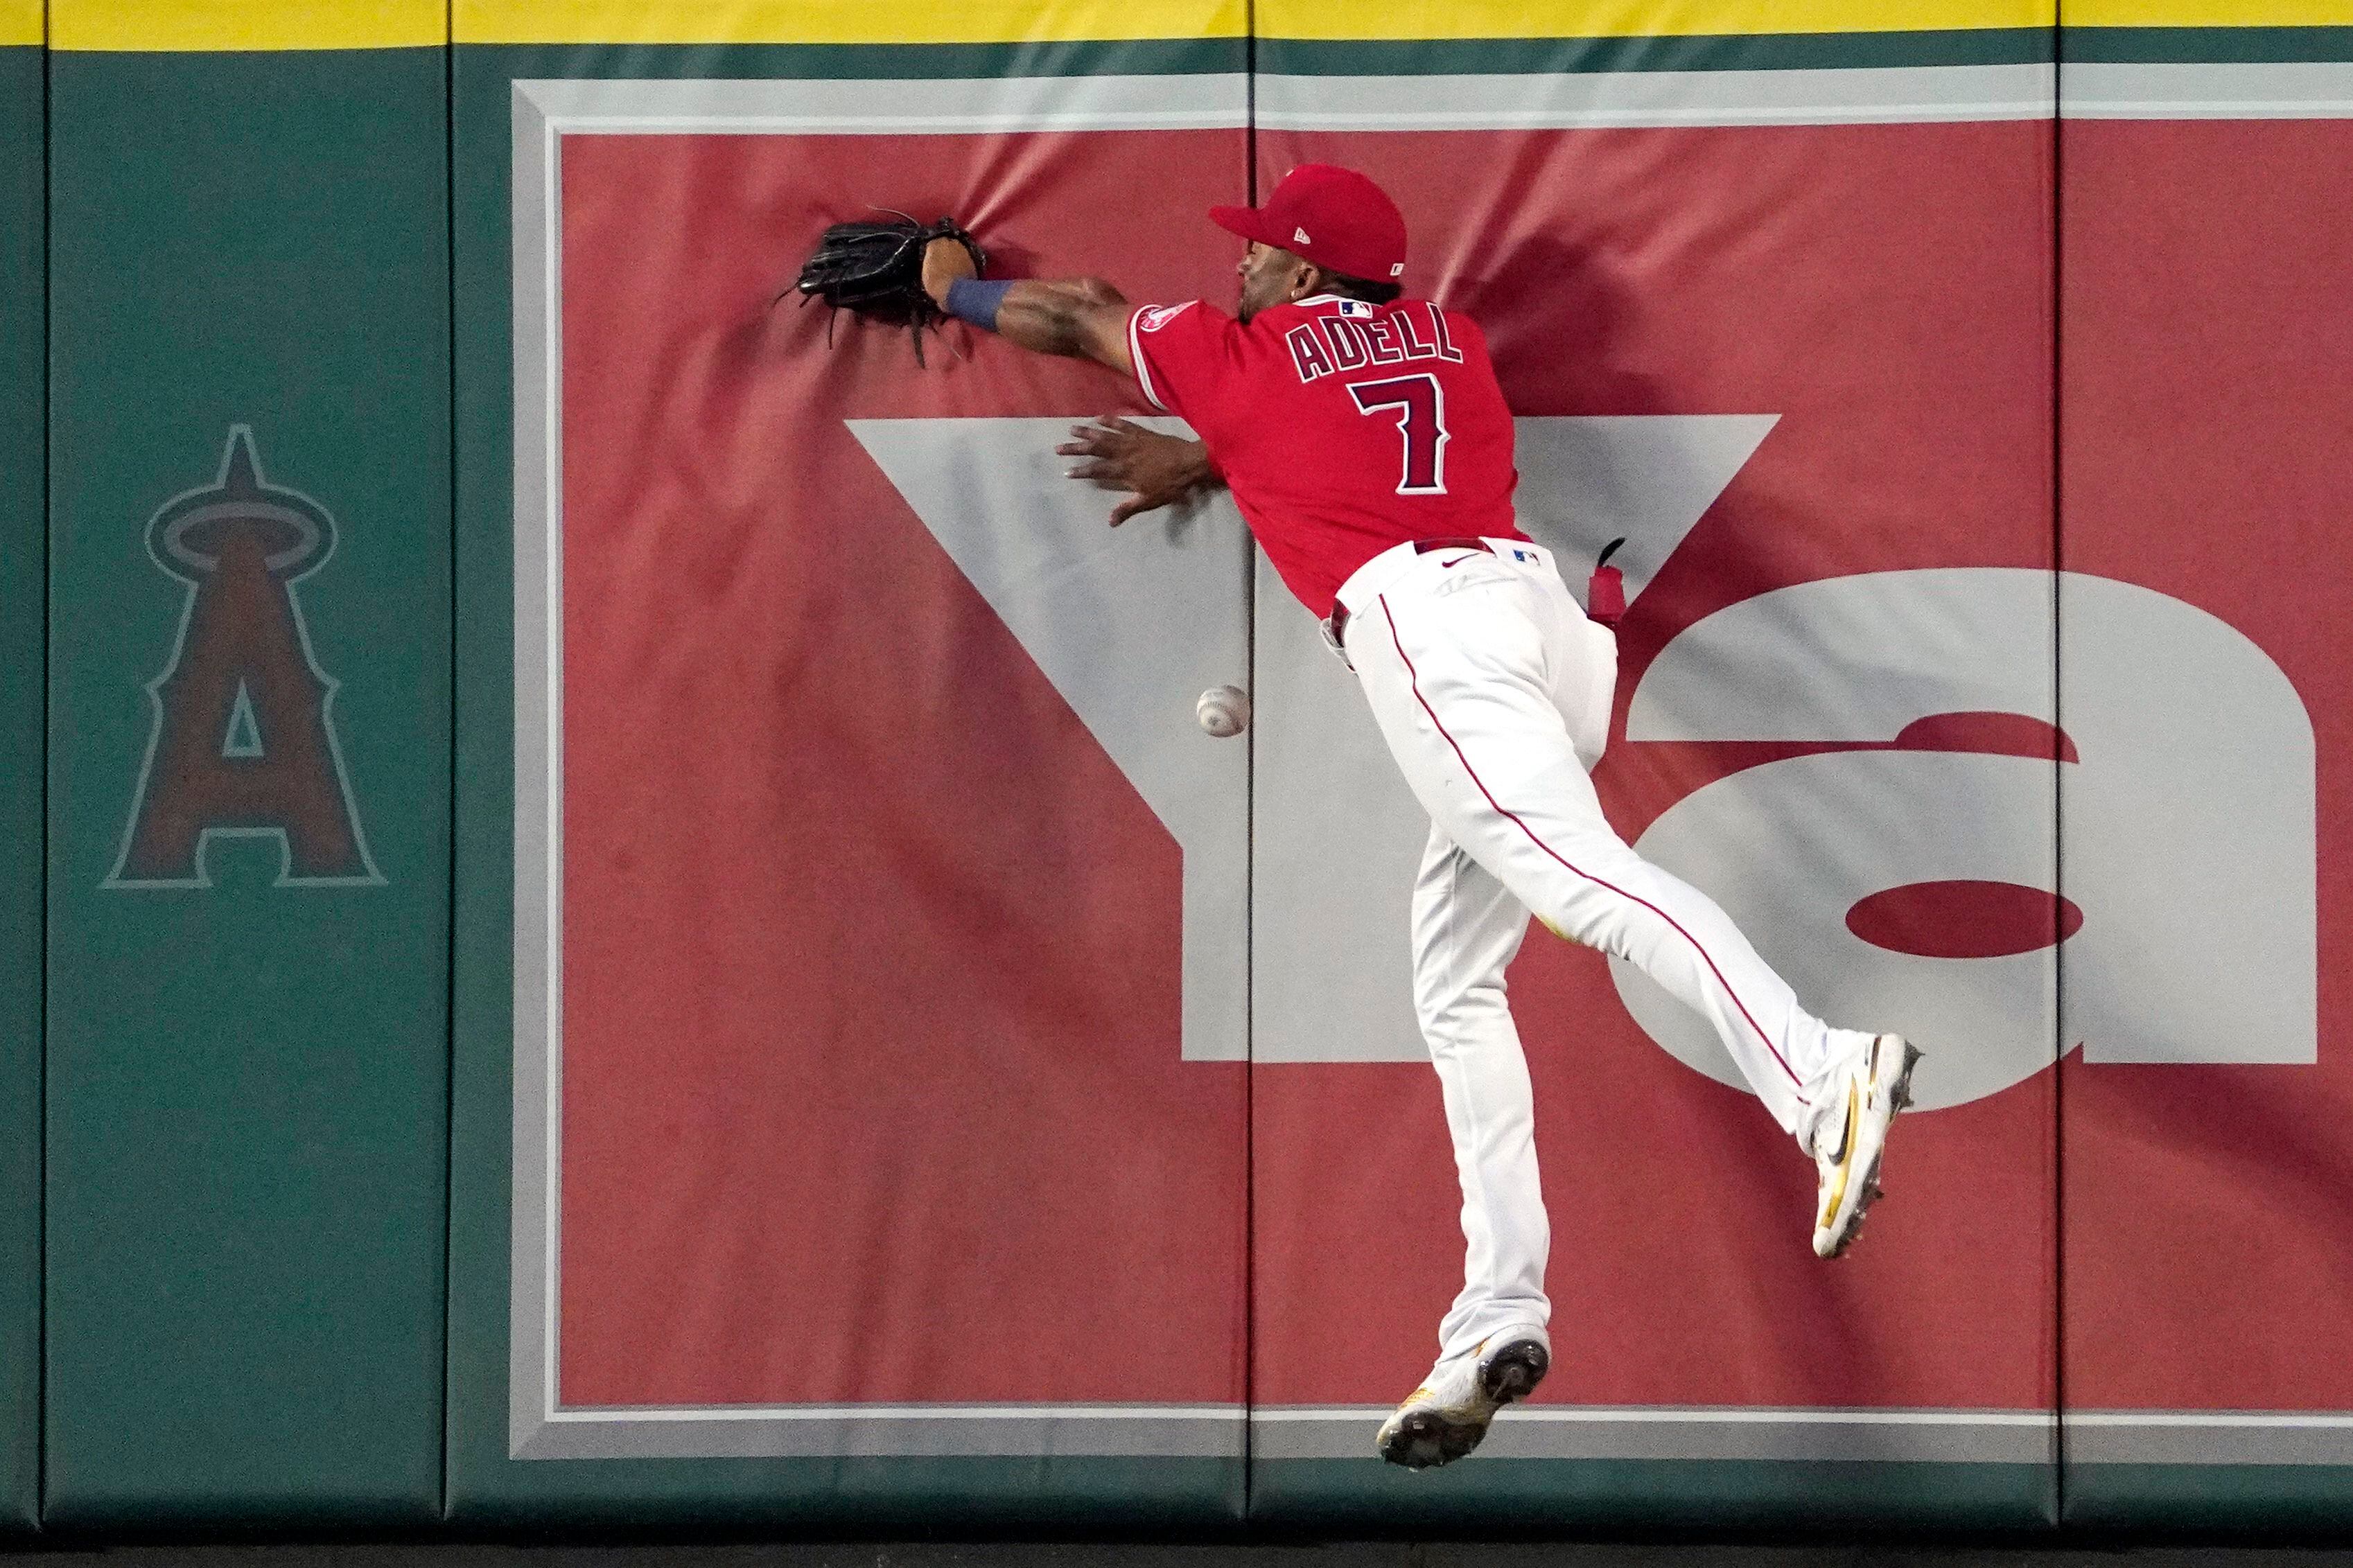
250 775
22 283
2211 1502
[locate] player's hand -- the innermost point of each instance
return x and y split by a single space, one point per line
944 261
1156 471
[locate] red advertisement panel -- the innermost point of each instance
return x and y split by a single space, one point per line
872 1085
2208 347
1885 292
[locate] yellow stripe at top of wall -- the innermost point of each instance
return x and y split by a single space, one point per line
1634 19
842 21
163 26
2208 12
20 21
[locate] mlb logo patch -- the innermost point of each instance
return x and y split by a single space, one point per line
1355 308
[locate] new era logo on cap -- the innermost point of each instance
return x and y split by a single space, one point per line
1299 236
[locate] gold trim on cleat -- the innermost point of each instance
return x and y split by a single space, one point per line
1886 1078
1835 1193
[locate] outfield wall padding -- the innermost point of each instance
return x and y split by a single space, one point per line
24 593
2205 338
949 921
638 930
248 782
1872 296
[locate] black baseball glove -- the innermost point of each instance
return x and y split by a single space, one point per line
876 270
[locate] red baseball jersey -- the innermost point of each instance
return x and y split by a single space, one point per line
1342 427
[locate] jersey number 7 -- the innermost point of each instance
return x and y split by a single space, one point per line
1420 403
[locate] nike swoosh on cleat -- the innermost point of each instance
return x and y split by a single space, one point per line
1836 1192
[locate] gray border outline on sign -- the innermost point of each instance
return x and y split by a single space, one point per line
1691 1432
2248 89
542 112
1874 95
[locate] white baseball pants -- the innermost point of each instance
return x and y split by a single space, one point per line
1494 692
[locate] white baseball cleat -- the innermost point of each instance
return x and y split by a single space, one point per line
1445 1417
1876 1085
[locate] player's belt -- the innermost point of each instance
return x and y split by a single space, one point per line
1336 625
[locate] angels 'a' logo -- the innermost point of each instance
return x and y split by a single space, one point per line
1152 318
244 740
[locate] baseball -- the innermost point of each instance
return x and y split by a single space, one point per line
1223 710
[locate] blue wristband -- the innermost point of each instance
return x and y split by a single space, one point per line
970 300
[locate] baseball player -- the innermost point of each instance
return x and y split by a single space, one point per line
1367 444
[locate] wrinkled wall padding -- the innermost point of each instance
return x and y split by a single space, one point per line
936 1205
1869 554
250 775
897 1071
22 593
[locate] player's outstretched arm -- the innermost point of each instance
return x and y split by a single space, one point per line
1078 317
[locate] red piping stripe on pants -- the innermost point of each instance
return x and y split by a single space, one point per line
1414 679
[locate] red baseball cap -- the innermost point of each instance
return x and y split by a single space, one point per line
1334 217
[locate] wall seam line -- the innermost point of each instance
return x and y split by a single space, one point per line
2058 791
1249 870
41 1003
449 930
